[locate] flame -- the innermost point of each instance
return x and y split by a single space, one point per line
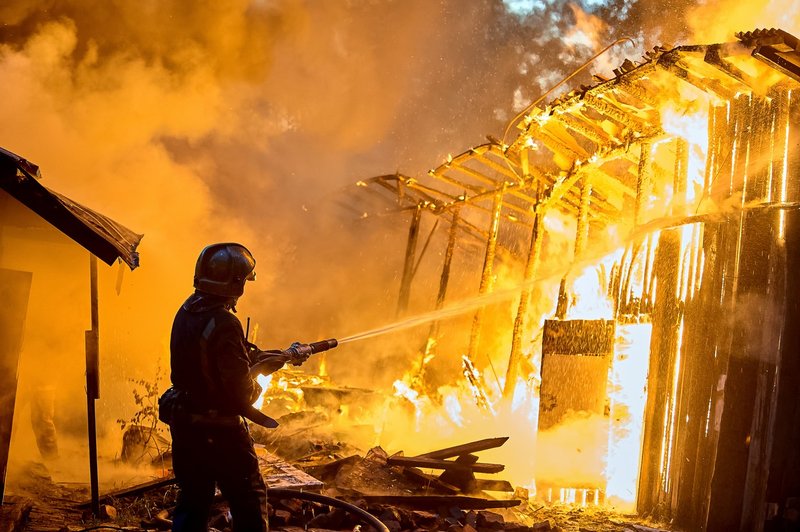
628 378
404 390
590 299
690 123
265 381
475 382
453 407
287 384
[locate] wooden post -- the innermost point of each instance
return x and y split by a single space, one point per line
408 266
719 243
722 187
444 280
582 231
520 320
660 421
448 257
581 237
642 182
93 383
663 344
784 466
486 273
730 451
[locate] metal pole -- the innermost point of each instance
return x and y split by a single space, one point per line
93 384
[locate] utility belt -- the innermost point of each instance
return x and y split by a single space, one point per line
212 418
175 408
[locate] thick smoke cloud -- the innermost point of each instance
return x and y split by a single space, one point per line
250 121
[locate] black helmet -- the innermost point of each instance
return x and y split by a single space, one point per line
222 269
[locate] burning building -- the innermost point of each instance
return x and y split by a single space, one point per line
664 201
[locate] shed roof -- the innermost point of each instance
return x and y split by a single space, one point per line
594 134
99 234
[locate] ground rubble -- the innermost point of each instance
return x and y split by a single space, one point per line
388 486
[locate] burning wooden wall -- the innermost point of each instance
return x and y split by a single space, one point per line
684 169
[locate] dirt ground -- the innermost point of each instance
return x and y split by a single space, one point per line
54 507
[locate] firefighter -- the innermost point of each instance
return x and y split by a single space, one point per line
211 390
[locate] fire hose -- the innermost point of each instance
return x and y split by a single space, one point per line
274 494
303 351
281 493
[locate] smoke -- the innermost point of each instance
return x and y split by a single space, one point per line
250 121
573 453
741 16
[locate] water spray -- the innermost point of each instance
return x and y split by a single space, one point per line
667 222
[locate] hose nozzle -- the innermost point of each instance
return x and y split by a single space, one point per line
299 353
323 345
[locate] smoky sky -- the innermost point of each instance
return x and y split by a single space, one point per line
251 120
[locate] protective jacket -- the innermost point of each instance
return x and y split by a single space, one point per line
211 444
209 357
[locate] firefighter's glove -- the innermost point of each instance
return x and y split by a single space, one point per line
299 353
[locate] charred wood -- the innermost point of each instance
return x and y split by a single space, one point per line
432 463
466 448
438 501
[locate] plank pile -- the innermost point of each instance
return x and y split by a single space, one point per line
396 489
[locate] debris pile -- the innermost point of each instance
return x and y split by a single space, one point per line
327 491
391 488
319 484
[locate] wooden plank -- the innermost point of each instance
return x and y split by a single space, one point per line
435 501
464 479
330 469
132 491
485 484
430 463
276 472
429 481
466 448
663 348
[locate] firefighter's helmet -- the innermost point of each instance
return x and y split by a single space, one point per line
223 269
